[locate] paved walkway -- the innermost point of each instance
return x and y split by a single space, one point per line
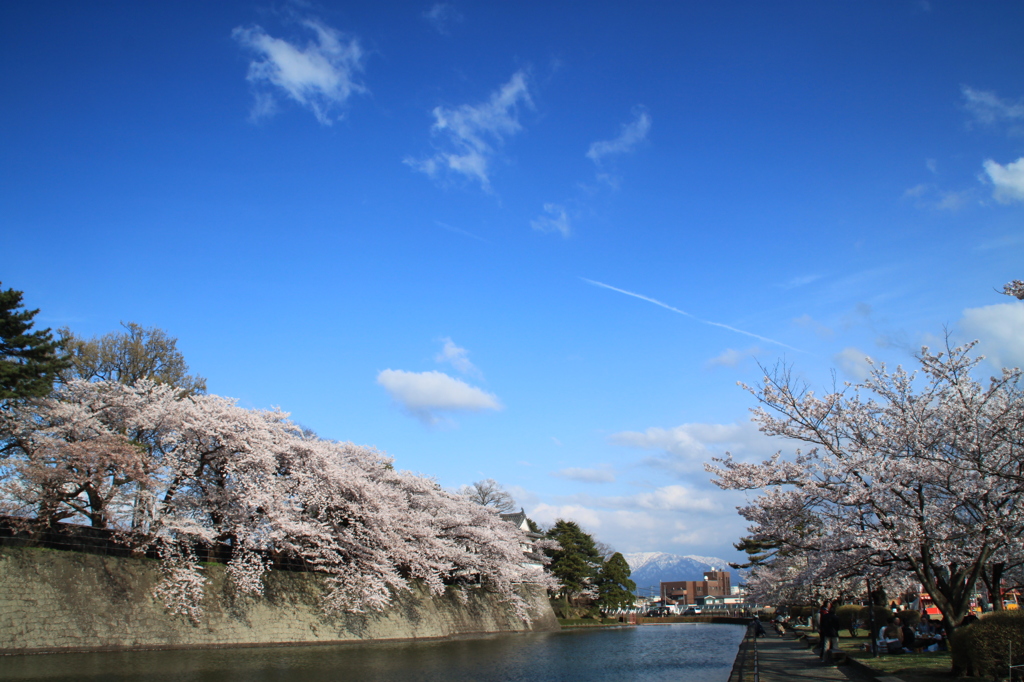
783 660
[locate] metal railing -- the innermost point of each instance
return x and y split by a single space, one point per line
746 668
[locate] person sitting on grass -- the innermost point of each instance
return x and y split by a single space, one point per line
908 638
890 637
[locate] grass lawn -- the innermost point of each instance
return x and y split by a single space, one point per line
924 667
909 667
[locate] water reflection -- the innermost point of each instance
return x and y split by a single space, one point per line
694 652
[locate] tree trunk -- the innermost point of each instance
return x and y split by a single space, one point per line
952 594
994 584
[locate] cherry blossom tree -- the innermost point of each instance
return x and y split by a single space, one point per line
177 472
60 462
905 472
1014 288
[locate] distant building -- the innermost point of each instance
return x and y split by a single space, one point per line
689 592
527 542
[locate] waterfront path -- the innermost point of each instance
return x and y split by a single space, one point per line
784 660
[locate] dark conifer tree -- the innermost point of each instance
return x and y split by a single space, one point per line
614 587
759 552
30 361
577 562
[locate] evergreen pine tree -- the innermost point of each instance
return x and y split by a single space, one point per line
576 563
614 587
759 552
30 361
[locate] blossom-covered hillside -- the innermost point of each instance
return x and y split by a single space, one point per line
175 472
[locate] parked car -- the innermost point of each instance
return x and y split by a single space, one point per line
692 611
658 612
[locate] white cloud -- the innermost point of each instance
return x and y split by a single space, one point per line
586 475
441 16
799 281
1000 332
1006 241
320 76
952 201
521 495
917 191
556 220
458 230
424 394
731 357
690 445
633 133
805 321
457 357
853 362
672 518
671 498
987 107
1008 180
927 195
547 514
472 132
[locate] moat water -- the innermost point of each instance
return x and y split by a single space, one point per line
680 652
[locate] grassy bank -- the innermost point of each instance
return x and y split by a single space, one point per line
926 667
923 667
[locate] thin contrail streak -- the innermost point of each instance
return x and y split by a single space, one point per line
690 315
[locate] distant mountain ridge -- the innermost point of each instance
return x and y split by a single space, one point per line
648 569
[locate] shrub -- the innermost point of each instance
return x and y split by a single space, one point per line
982 648
911 617
850 617
882 616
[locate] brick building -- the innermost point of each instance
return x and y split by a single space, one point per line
689 592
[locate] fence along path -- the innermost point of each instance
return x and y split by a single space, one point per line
783 659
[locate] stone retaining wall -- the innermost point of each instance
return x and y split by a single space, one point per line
52 601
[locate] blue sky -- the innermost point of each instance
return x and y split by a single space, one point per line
534 242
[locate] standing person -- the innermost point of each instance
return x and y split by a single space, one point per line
817 618
758 628
829 633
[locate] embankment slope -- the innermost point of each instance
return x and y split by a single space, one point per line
52 601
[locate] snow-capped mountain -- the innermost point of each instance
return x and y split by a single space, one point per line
651 568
